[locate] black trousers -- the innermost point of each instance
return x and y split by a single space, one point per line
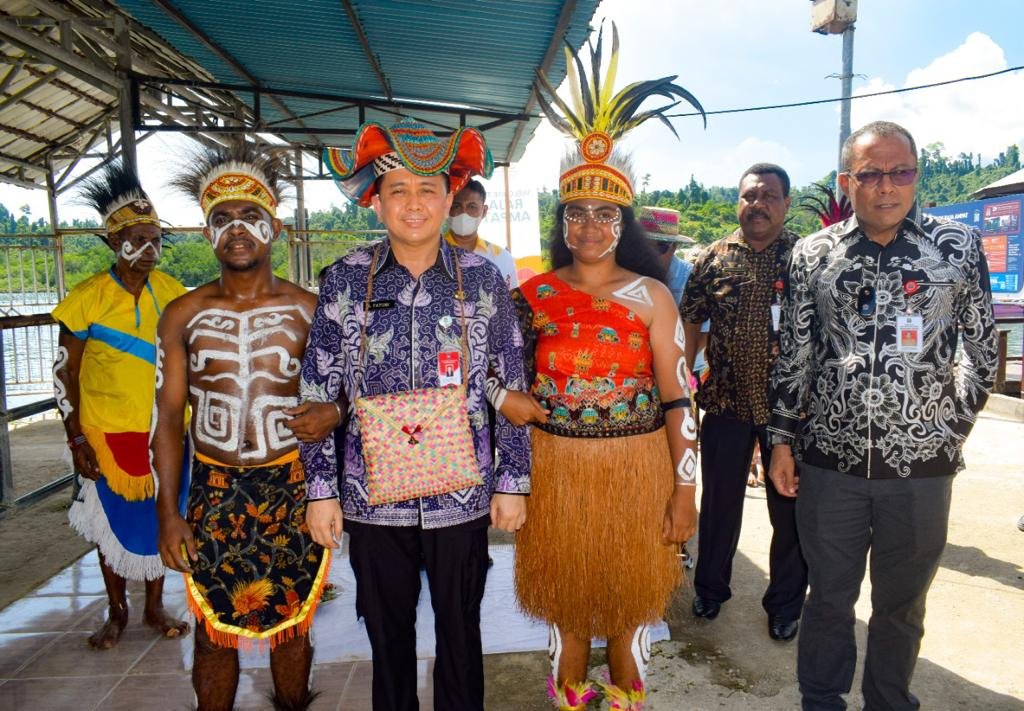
386 561
901 524
726 446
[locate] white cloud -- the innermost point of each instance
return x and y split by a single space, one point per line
970 117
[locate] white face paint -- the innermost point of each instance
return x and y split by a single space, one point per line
132 255
260 231
616 232
60 393
635 291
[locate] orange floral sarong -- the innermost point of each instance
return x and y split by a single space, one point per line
259 574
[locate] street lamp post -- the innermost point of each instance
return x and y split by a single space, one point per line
833 17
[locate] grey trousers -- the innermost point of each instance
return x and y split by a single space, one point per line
840 518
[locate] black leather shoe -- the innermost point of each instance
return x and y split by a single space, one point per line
708 609
781 629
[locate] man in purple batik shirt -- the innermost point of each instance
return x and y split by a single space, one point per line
413 323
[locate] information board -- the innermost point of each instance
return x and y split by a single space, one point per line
998 221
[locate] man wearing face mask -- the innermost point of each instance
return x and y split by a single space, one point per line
469 208
737 283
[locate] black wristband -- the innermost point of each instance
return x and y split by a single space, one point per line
674 404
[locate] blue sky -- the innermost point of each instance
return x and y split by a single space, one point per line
740 53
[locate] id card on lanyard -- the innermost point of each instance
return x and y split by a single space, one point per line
909 333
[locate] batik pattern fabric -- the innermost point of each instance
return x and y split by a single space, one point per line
735 287
411 321
499 257
868 407
591 559
591 361
116 391
258 575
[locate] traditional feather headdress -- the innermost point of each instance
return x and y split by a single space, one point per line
216 175
407 144
597 118
118 197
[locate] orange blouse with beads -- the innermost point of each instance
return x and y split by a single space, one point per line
591 360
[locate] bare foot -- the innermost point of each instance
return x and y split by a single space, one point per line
110 633
163 623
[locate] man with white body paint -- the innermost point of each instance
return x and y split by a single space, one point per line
231 350
103 381
737 283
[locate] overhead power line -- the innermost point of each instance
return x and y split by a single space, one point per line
858 96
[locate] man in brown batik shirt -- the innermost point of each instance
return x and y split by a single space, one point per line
736 283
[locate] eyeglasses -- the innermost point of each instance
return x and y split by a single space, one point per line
601 215
866 301
871 178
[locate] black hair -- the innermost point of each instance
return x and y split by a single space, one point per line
477 187
769 169
634 251
114 182
875 128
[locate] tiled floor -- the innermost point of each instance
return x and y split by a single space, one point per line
46 665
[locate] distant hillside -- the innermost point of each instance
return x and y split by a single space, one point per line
706 215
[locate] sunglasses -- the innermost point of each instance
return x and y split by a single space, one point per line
871 178
664 247
866 301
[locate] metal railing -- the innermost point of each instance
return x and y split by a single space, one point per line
32 283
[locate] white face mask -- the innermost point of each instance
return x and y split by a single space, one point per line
465 224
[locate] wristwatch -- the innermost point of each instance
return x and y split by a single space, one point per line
775 438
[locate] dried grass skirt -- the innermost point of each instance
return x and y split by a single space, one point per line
590 557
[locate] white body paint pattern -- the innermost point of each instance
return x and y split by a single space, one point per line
260 230
554 648
686 470
222 418
153 417
60 393
689 428
641 650
635 291
132 255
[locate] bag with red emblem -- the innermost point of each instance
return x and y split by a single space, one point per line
416 442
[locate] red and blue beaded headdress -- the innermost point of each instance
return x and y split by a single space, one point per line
411 145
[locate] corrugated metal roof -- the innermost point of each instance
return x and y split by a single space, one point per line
59 78
481 54
59 86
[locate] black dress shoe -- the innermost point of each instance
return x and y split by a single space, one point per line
782 629
708 609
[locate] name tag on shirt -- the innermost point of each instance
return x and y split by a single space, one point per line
776 316
449 371
378 304
909 333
